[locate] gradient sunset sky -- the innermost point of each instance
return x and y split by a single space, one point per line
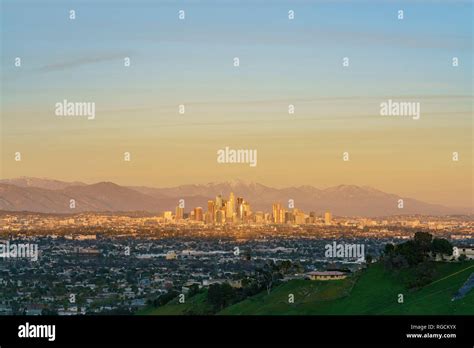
282 62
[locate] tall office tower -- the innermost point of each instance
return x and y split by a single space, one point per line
240 208
276 208
208 218
220 216
219 202
230 206
327 218
198 214
211 209
179 213
282 216
300 218
246 209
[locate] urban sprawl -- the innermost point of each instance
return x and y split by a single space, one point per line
117 263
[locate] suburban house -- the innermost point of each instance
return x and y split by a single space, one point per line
326 275
232 283
467 250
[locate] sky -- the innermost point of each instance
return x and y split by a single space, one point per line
282 62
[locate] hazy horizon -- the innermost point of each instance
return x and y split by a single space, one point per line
462 209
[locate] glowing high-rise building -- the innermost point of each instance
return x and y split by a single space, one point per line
198 215
211 209
327 218
246 212
300 217
219 202
179 213
220 216
208 218
230 206
276 209
240 208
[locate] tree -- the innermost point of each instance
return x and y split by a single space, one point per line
269 274
288 267
423 241
165 298
389 248
396 262
368 259
441 246
285 266
193 290
412 251
220 295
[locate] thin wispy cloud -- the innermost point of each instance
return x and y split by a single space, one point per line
82 61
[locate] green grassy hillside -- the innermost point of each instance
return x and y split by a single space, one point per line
375 292
196 304
371 291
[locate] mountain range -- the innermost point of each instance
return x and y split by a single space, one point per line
53 196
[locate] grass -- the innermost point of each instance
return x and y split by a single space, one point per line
306 294
373 291
196 304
